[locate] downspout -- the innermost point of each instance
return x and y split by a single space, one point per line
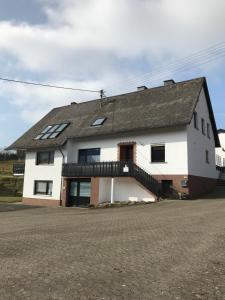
60 149
63 156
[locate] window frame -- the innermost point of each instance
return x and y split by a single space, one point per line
196 120
164 148
98 125
48 184
86 155
208 129
49 133
203 126
207 156
51 157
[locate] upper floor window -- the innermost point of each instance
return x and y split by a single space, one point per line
196 120
45 157
158 153
208 131
207 156
43 187
89 155
203 126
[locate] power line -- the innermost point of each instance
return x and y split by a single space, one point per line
196 59
213 50
162 75
49 85
204 55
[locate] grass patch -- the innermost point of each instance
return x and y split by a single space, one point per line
6 199
11 186
6 167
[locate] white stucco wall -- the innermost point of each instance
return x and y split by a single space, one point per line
221 151
199 143
125 189
42 172
175 150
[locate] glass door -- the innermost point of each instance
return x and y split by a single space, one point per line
73 193
80 192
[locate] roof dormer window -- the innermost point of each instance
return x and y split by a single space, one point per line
98 122
51 131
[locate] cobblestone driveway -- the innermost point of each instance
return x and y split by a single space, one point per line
167 250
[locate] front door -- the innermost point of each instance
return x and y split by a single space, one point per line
80 192
127 152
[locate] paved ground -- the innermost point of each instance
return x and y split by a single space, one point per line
167 250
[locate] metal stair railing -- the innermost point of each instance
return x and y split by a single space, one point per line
112 169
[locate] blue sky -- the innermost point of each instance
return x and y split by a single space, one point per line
115 45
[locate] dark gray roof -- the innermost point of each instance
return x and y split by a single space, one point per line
160 107
221 130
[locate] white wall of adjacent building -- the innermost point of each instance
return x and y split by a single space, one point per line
175 142
42 172
220 152
199 143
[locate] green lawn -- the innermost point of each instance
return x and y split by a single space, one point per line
5 199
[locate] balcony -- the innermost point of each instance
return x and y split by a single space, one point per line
98 169
18 169
112 169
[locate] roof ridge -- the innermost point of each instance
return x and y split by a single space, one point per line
133 92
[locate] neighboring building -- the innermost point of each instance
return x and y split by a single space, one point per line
220 152
133 147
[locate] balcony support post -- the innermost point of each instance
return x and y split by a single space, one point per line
112 191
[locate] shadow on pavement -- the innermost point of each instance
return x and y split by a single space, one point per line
218 193
4 207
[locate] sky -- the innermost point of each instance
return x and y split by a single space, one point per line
115 45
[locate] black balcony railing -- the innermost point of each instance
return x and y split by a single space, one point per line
112 169
18 168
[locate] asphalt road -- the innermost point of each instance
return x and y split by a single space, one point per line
167 250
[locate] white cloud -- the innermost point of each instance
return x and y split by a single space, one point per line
92 43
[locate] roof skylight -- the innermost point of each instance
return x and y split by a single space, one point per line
51 131
98 122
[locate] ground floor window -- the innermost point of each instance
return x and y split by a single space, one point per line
43 187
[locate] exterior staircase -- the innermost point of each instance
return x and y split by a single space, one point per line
113 169
146 180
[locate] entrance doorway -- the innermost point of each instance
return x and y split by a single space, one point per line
126 152
167 188
80 192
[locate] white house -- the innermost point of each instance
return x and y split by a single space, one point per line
220 152
136 146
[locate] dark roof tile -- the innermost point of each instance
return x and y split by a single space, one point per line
160 107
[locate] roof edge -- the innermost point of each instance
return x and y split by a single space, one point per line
211 114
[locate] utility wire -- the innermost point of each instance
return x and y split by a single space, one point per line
197 59
161 76
187 66
201 54
49 85
216 50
